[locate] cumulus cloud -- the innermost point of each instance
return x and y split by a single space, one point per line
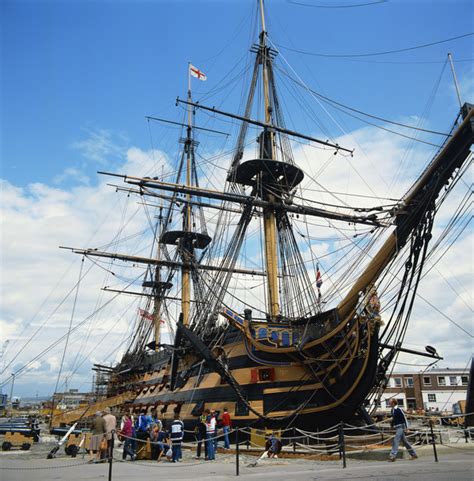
40 282
101 146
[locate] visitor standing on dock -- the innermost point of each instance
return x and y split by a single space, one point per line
210 434
128 441
226 427
399 423
110 428
98 432
215 414
176 436
200 432
142 426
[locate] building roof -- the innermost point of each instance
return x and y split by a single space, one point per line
446 370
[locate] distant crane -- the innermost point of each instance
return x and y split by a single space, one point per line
2 354
3 399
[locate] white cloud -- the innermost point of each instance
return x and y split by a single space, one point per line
101 146
73 174
37 277
466 86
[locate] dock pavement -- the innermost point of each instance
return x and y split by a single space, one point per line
456 463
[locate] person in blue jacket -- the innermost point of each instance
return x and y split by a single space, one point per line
399 423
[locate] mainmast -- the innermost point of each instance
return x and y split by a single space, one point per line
267 151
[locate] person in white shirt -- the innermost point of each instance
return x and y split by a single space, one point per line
210 434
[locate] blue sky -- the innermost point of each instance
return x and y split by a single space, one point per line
79 77
72 67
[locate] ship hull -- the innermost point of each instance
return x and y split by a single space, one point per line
278 392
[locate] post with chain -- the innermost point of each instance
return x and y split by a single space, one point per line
342 445
111 454
237 452
433 441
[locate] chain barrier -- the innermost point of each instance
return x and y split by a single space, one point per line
323 446
315 436
457 448
21 468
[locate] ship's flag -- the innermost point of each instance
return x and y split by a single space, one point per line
195 72
319 282
145 314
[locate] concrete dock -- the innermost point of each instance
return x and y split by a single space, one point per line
456 463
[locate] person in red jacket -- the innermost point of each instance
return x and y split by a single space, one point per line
128 435
226 426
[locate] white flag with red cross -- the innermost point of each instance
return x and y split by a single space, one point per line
195 72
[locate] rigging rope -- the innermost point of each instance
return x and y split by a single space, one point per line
354 5
358 111
68 332
373 54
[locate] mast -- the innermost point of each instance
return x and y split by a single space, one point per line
157 297
185 274
267 152
188 239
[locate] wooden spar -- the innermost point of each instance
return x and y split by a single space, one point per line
245 199
185 273
158 262
453 154
148 117
157 298
269 126
269 218
144 294
262 16
176 201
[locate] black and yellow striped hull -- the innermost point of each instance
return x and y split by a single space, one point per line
314 388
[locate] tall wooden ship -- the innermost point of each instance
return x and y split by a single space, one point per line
292 360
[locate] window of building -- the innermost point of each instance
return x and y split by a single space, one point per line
411 403
427 381
401 402
432 398
409 381
387 403
453 380
397 381
464 380
441 381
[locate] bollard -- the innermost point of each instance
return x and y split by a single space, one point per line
433 441
111 454
294 440
342 445
237 452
